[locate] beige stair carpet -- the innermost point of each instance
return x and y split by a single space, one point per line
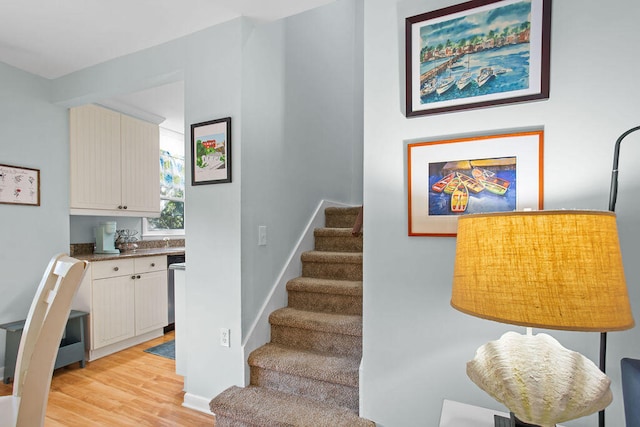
308 374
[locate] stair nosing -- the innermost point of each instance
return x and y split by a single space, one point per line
343 371
318 285
328 257
321 321
299 405
334 232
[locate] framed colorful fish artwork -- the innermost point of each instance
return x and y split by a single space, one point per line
455 176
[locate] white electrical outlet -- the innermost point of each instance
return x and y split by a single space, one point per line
262 235
225 339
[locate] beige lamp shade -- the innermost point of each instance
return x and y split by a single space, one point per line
545 269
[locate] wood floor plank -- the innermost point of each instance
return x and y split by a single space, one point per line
130 388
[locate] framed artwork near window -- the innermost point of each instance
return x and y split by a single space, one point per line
456 176
477 54
211 152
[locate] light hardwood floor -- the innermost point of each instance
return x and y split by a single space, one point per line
129 388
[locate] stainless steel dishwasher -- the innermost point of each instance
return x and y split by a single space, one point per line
171 259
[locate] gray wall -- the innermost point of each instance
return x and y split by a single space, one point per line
213 82
415 345
302 134
83 228
33 134
296 115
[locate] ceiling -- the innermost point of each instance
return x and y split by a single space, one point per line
53 38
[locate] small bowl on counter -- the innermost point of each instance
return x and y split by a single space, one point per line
128 247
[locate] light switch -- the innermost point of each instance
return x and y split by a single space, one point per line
262 235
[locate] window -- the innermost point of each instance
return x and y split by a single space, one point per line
172 175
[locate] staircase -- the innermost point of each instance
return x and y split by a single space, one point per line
308 374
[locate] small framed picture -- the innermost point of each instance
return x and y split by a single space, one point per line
19 186
477 54
211 152
451 177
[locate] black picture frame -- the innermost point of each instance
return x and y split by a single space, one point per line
211 152
19 185
470 37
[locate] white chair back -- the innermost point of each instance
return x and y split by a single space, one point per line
39 343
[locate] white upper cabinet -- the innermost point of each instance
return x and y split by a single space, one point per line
114 163
140 147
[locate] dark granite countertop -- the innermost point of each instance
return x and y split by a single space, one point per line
174 250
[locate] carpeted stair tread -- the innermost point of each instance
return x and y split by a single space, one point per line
332 257
259 406
323 367
325 286
346 324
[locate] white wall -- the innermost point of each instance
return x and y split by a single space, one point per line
292 91
83 228
302 134
213 81
33 134
415 345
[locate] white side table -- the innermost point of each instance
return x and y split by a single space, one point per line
456 414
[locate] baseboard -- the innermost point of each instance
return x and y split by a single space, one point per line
130 342
197 403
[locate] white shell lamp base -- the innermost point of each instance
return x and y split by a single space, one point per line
539 380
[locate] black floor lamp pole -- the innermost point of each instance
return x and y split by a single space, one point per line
613 195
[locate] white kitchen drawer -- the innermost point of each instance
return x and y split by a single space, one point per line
112 268
150 263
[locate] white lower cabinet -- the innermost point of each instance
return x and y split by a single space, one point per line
127 302
113 310
151 302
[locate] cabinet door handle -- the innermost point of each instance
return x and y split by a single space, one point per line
120 207
138 276
133 277
116 268
125 206
153 264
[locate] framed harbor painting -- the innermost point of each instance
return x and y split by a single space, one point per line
490 173
477 54
211 152
19 186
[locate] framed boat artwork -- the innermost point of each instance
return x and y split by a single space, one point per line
211 152
456 176
477 54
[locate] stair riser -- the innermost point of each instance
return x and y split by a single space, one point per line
326 303
339 271
338 243
341 217
323 342
329 393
